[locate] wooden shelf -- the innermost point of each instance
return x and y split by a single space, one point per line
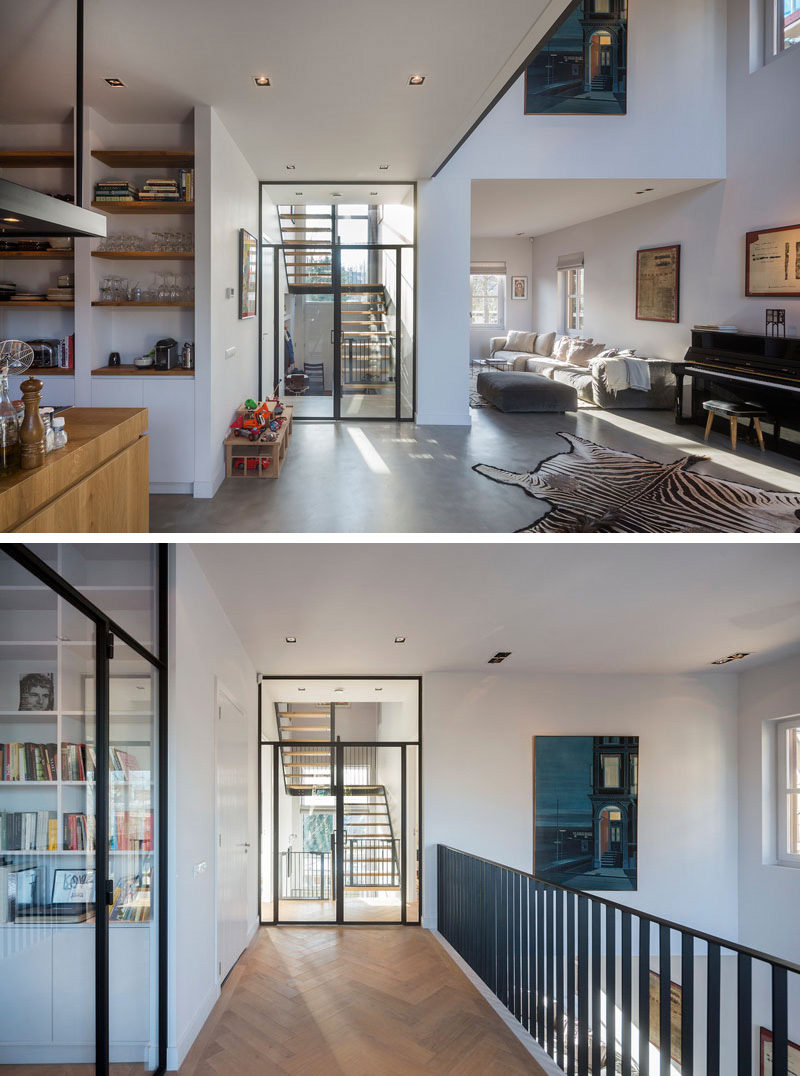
145 158
36 158
37 255
46 371
137 306
140 371
40 304
144 207
145 255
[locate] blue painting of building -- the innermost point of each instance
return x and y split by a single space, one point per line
586 807
582 68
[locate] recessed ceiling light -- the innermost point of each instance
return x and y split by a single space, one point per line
338 689
115 82
11 220
646 190
301 689
299 194
336 194
290 168
416 80
291 638
379 689
501 655
373 194
399 638
732 657
383 167
261 80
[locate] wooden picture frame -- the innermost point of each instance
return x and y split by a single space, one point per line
519 287
248 275
772 263
765 1055
658 282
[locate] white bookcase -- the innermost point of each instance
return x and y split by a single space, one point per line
47 969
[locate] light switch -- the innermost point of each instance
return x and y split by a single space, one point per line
229 293
230 352
199 868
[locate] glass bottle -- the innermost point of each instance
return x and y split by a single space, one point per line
9 431
47 419
59 433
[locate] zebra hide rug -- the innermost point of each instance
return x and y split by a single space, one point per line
595 489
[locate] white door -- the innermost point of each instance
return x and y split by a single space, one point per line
232 838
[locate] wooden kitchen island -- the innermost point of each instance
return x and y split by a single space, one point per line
98 483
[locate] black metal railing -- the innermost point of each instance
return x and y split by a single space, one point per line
368 361
306 875
371 862
582 974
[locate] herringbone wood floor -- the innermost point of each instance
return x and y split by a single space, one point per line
352 1001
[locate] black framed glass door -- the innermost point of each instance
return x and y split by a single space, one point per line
82 740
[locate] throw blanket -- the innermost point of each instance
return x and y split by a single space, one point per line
626 373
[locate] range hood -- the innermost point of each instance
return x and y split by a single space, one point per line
36 214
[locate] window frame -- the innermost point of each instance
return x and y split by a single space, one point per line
783 791
501 301
568 296
774 30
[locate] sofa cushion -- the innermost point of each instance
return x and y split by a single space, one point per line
577 377
544 344
539 366
510 391
561 347
580 352
520 341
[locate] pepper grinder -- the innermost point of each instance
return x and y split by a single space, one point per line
31 430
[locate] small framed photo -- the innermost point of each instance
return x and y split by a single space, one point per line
37 691
519 287
248 274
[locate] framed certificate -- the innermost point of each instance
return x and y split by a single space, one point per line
772 262
658 271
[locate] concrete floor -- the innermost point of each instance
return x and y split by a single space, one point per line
400 478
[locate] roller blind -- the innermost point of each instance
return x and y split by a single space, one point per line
495 268
570 261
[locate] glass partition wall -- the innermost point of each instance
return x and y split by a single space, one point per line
338 287
339 800
81 749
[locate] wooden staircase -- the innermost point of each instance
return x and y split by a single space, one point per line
301 232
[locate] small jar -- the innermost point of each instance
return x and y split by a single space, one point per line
59 433
47 419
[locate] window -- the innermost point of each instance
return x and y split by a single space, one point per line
634 774
602 6
573 299
782 26
610 771
788 784
487 299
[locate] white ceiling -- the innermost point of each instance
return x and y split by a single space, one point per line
506 207
561 608
339 104
325 691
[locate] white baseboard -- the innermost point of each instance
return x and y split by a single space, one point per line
444 418
170 487
540 1056
251 932
207 490
176 1055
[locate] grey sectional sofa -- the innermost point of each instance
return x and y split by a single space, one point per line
589 381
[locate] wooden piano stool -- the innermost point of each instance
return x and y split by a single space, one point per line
733 412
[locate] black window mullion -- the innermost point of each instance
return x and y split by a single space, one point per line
103 642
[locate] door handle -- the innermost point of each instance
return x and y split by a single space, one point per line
244 844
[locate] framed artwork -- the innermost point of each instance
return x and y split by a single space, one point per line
765 1069
73 886
585 811
37 691
248 274
658 273
519 287
772 262
675 999
582 67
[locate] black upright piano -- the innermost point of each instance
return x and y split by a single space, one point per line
747 368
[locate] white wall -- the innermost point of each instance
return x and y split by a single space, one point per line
477 777
769 895
710 223
226 202
443 207
204 649
518 256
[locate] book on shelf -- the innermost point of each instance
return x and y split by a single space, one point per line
186 184
77 762
131 831
27 831
79 832
122 763
66 352
131 901
27 762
